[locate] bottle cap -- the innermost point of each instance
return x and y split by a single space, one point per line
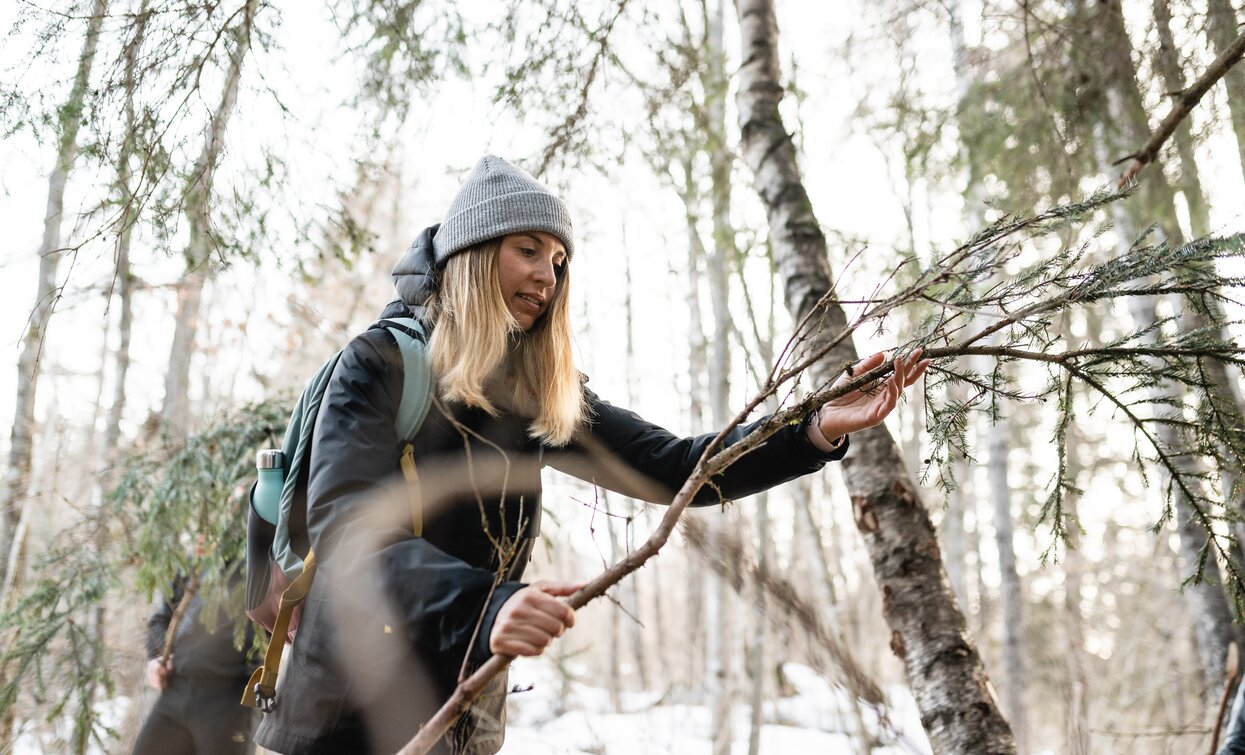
269 458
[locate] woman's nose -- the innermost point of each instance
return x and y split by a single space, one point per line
543 273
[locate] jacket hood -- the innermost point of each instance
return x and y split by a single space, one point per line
416 275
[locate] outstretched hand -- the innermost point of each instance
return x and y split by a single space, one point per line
869 405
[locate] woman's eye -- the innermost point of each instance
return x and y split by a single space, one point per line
527 252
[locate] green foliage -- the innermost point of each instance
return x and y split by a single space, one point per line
142 538
199 488
51 654
406 46
1163 376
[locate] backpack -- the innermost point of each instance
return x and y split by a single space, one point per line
280 564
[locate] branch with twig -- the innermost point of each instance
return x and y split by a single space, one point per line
1183 105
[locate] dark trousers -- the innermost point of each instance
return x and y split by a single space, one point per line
198 717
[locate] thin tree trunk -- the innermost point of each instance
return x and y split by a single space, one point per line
756 650
697 368
960 499
1223 26
1167 63
1076 701
47 293
614 673
198 200
1123 121
1011 593
928 632
808 539
722 682
637 635
14 511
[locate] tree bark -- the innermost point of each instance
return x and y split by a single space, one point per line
928 632
198 201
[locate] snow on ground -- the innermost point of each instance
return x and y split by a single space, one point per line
814 720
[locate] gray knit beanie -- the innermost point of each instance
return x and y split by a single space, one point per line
497 199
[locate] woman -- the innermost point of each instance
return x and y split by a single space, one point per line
394 619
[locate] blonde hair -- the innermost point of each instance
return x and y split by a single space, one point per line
477 345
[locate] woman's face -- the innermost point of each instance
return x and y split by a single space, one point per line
529 266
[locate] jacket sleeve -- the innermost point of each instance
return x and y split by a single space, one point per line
622 452
360 533
158 626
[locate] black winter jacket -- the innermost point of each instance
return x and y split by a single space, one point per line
391 617
203 647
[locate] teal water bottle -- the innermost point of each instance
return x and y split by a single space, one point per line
266 498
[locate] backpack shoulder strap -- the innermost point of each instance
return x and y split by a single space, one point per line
413 408
297 448
416 375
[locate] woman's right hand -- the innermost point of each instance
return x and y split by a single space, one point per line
157 674
532 618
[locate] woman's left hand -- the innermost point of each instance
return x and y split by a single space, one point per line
867 406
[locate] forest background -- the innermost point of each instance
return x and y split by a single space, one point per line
208 197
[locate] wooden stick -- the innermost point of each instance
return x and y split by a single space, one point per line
1184 104
179 613
1234 676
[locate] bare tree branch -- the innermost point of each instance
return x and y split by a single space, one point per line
1184 103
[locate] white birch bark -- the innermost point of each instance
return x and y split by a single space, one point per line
928 632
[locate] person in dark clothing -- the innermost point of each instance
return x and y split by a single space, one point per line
392 620
1234 738
197 712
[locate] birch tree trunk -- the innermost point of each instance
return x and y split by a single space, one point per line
198 201
928 632
47 293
